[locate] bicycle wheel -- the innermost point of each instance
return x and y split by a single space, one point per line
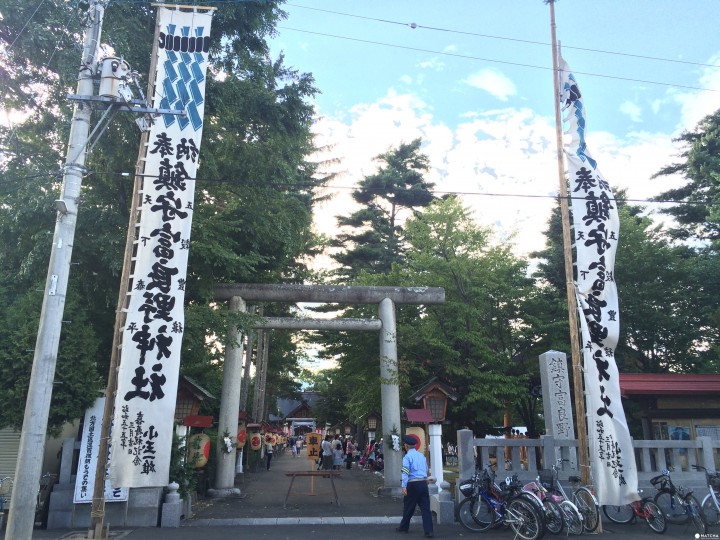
655 517
696 514
618 514
554 517
524 519
537 505
573 517
475 514
672 507
587 505
710 511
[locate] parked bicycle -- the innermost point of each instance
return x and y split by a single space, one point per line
486 505
559 513
678 505
711 503
644 509
47 481
5 489
582 497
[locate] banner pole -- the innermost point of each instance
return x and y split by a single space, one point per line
583 458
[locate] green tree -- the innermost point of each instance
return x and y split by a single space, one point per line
698 215
667 309
254 191
375 239
480 340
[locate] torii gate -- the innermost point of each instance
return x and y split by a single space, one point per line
385 297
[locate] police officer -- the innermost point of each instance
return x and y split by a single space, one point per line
415 487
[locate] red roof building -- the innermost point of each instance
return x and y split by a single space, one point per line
673 405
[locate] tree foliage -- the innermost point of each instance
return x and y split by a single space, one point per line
698 214
253 195
480 341
374 240
667 314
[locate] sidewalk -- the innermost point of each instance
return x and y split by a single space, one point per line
258 514
310 502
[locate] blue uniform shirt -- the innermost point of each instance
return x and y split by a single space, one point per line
414 467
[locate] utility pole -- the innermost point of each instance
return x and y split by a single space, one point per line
37 407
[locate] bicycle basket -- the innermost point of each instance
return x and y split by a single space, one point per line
714 481
467 487
547 478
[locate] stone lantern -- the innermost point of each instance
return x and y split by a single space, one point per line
434 396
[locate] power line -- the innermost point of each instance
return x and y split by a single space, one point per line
518 64
517 40
309 185
26 24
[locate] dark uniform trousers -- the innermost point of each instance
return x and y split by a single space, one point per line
417 495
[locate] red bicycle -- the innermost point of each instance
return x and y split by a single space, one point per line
644 509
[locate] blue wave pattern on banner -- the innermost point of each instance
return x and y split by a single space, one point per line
181 85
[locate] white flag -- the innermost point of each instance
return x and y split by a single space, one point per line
149 369
596 234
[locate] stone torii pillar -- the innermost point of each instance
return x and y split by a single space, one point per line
230 405
385 297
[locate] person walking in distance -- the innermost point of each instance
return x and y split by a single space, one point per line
268 451
327 457
415 488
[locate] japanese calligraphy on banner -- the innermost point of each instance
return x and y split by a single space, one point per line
596 231
87 463
150 360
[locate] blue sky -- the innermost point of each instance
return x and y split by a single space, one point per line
473 79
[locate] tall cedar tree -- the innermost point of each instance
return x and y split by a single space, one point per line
374 241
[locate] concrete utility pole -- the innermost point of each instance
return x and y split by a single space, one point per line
37 407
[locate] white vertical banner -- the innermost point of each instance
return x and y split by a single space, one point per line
596 232
87 462
150 357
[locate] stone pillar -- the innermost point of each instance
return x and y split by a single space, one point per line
436 465
557 402
466 453
229 408
390 395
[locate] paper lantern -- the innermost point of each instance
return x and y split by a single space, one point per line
198 450
241 438
255 440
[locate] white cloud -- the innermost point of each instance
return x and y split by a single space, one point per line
503 162
434 63
695 105
632 110
493 82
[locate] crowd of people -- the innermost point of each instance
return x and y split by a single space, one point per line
337 452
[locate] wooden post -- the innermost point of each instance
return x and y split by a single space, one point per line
583 457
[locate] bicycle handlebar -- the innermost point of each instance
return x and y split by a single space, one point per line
657 479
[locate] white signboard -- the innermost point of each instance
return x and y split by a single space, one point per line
87 464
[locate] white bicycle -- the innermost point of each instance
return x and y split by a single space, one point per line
711 503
